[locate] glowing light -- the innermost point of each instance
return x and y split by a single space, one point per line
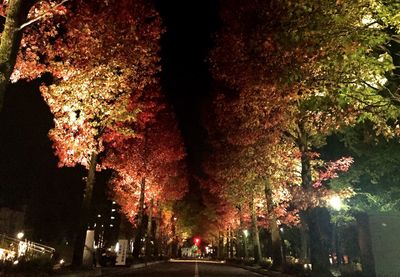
246 233
20 235
62 262
335 202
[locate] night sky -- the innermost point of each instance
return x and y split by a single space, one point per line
28 168
185 77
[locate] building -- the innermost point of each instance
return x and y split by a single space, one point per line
11 221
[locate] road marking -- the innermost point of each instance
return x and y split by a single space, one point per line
196 270
196 261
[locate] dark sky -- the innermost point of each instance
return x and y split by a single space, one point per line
185 77
28 168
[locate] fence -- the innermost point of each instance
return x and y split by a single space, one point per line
12 248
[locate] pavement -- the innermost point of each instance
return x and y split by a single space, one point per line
263 271
179 268
189 268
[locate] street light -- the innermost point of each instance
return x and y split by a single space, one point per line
20 235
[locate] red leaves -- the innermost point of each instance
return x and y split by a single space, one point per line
156 156
332 169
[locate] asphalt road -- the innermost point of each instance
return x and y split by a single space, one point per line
188 269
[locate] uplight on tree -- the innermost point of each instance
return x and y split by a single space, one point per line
335 202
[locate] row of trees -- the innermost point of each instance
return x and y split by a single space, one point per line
109 112
287 76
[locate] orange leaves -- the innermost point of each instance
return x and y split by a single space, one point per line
156 156
102 72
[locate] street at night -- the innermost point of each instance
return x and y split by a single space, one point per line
188 269
227 137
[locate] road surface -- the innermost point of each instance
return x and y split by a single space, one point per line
188 269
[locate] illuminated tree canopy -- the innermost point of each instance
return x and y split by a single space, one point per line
285 77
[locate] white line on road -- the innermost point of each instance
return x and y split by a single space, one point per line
196 270
196 261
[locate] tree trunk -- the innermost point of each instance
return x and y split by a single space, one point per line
148 233
220 246
228 243
276 240
139 224
174 243
85 212
246 251
241 239
11 36
364 242
320 240
232 241
317 219
157 239
256 236
304 255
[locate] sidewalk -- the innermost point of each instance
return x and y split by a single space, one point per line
105 271
260 270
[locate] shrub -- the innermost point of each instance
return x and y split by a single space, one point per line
266 263
249 262
32 267
296 269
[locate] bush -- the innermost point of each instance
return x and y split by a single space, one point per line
266 263
32 267
234 260
249 262
296 269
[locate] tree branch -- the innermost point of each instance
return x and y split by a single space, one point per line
41 16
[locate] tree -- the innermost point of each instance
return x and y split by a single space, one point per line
315 58
102 68
149 168
19 16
